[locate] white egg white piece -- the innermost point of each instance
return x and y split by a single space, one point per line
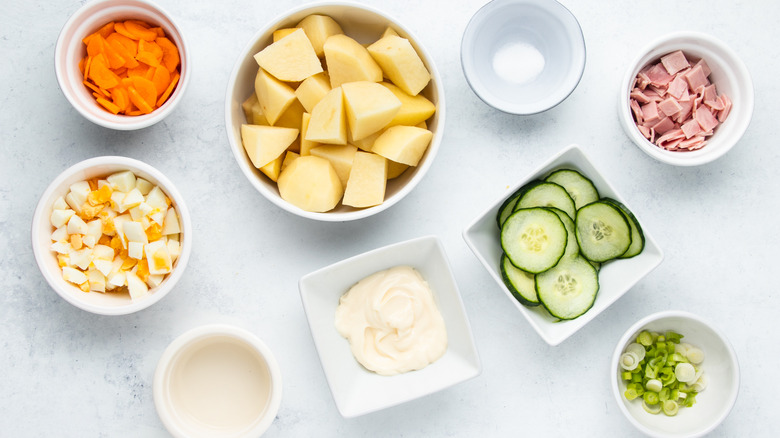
104 266
60 204
134 232
171 222
76 225
156 198
61 217
135 250
97 281
60 234
136 286
73 275
143 185
122 181
158 258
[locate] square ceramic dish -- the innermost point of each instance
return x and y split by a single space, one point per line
615 277
355 389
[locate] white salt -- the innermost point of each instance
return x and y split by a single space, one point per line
518 62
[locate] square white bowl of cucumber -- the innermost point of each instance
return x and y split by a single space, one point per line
563 245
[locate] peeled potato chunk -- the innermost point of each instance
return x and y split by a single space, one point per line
403 144
349 61
414 109
290 59
340 157
312 90
274 95
400 63
264 144
370 107
328 123
318 28
367 181
311 184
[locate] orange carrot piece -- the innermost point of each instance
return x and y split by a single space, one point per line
108 105
120 97
139 32
87 66
82 65
170 57
121 50
92 86
119 27
147 58
95 45
164 97
139 101
139 70
161 79
159 30
101 75
146 90
106 30
135 113
130 45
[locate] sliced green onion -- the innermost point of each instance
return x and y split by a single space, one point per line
670 407
653 408
629 361
685 372
662 371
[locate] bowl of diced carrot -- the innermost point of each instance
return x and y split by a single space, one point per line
122 64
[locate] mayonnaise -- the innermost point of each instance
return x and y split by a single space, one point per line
392 323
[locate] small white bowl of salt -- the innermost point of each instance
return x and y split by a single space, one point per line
523 56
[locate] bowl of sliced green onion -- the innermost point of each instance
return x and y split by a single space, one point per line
674 375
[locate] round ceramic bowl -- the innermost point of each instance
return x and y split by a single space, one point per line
217 380
730 76
523 56
720 364
46 258
365 24
70 50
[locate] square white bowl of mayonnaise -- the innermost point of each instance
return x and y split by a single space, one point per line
356 390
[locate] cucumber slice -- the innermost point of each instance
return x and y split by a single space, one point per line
637 235
519 282
572 247
569 289
508 206
533 239
603 232
579 187
547 195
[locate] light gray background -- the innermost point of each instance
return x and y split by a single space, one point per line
68 373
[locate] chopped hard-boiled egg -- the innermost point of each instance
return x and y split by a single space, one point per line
115 234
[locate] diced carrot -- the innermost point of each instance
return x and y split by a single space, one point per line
95 45
161 79
170 57
167 93
146 89
139 32
120 28
130 67
101 75
108 105
120 97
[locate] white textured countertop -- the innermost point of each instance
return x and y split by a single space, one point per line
68 373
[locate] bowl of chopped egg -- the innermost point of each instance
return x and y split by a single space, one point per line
523 56
389 326
112 235
686 99
122 64
674 374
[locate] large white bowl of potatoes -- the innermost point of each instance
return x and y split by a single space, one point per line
334 111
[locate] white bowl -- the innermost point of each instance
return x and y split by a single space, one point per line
523 56
365 24
720 364
730 76
356 390
217 381
96 302
615 278
70 50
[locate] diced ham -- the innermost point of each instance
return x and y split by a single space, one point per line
650 112
690 128
669 106
638 96
696 78
675 105
674 62
665 125
678 87
705 68
659 76
726 108
704 117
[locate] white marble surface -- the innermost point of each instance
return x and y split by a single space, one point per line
68 373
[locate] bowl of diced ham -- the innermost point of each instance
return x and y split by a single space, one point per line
687 99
